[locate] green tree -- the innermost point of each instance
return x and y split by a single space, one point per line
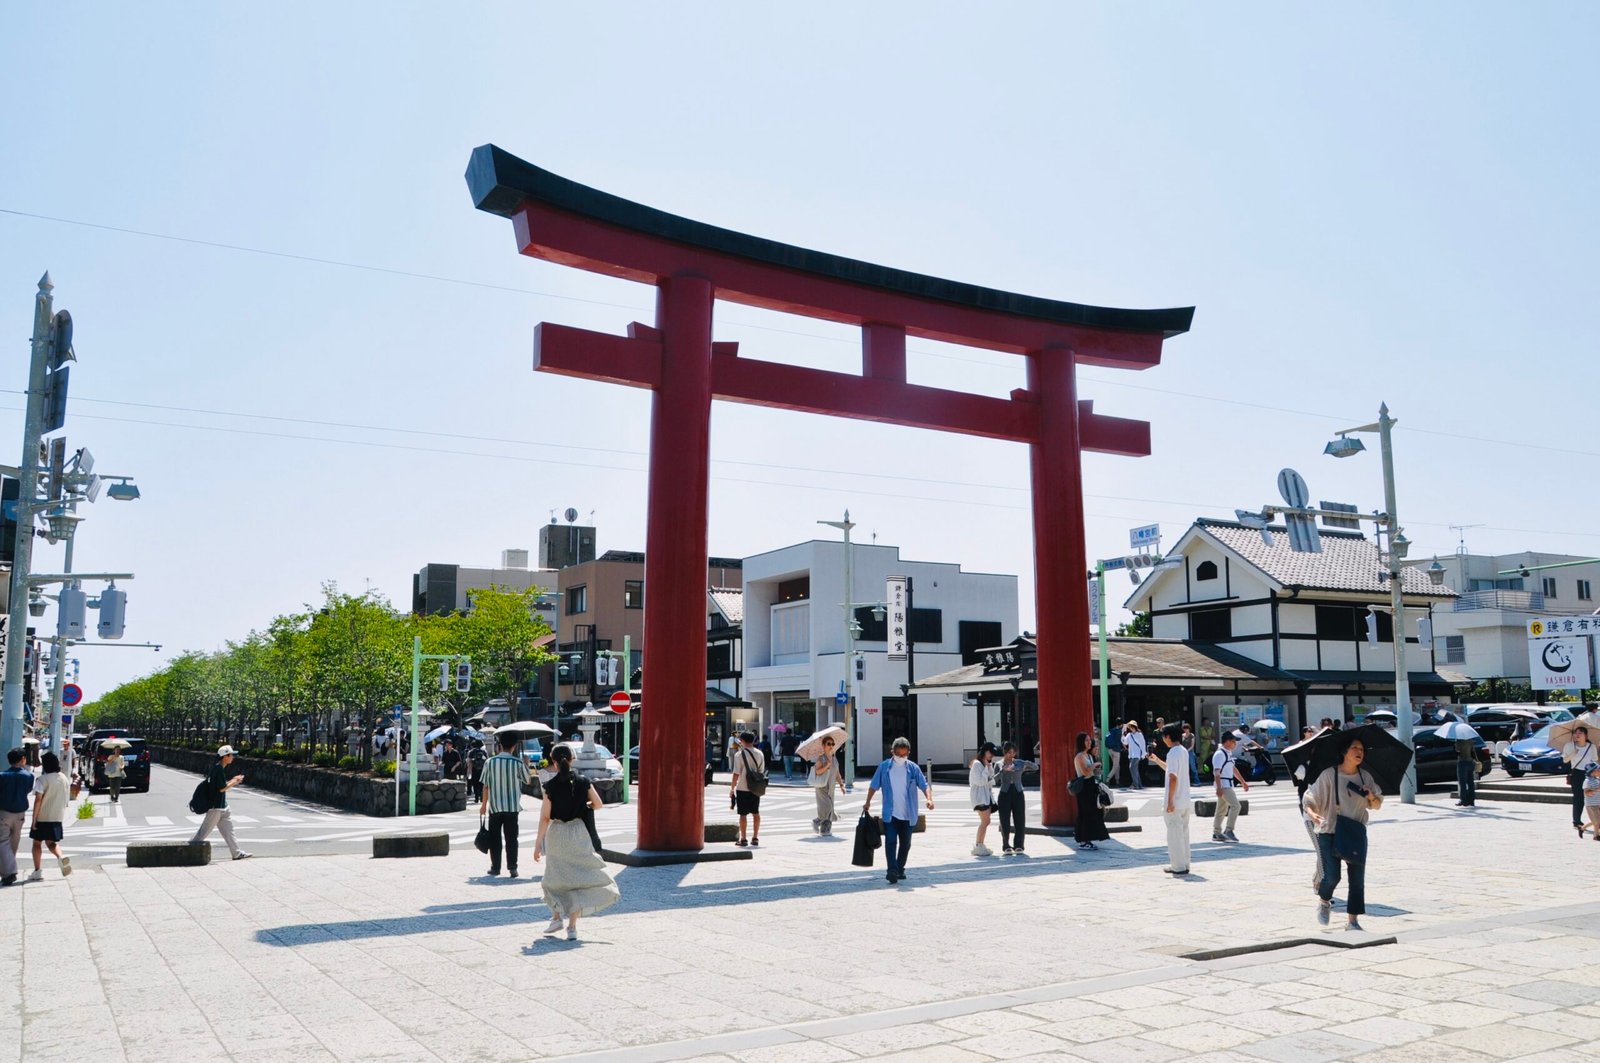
1140 627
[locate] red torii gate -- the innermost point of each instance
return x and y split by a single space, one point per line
691 264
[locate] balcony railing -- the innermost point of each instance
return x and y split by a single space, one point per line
1523 600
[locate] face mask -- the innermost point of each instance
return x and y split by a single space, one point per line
899 758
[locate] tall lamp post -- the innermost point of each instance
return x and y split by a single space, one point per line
1156 563
1345 447
851 629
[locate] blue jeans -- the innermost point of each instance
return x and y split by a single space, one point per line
1356 904
1467 781
896 843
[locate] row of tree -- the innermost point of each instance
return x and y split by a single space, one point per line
334 668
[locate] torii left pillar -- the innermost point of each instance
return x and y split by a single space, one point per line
672 722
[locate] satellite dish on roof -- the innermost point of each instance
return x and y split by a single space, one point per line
572 514
1292 486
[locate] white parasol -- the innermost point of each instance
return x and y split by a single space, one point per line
811 748
526 728
1455 731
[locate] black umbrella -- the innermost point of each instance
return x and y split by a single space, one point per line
1387 757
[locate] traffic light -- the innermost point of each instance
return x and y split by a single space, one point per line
71 613
113 612
1372 628
602 670
464 677
861 667
444 675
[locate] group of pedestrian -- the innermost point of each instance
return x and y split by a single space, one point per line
996 786
48 794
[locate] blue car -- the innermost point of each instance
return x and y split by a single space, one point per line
1533 755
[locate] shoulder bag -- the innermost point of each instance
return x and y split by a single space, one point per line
754 781
481 842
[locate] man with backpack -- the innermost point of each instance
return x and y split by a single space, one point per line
749 783
213 791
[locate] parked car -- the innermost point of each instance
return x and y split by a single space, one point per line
1497 724
135 765
1436 757
1533 755
633 766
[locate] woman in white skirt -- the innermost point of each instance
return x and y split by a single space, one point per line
575 879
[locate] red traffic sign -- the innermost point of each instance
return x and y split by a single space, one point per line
71 694
621 702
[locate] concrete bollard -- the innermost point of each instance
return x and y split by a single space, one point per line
1209 807
169 854
722 832
395 846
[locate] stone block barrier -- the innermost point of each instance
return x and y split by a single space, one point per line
1209 807
169 854
341 789
396 846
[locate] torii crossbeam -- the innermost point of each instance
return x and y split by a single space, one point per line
692 264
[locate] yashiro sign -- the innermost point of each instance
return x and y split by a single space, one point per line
691 265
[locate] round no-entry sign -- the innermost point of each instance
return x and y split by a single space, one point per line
71 694
621 702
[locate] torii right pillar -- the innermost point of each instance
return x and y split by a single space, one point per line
1061 590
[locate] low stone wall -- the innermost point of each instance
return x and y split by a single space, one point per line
341 789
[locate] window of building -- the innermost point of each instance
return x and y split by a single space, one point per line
1549 586
719 659
1347 623
795 590
633 594
1205 570
977 635
577 600
791 630
1211 625
1584 593
1510 583
1455 649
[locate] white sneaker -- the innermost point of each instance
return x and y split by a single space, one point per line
37 876
982 850
1322 913
66 865
572 933
556 923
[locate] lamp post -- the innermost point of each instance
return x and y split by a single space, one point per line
1345 447
1156 563
851 628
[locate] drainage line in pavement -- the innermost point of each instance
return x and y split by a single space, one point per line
1291 943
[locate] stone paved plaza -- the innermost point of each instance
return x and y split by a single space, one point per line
795 955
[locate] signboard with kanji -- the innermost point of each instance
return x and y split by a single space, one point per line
1559 664
899 618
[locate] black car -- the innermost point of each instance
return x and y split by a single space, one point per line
135 765
1436 757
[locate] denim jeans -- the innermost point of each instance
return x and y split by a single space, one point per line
1356 904
1013 818
897 843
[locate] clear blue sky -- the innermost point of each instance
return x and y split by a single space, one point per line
1394 203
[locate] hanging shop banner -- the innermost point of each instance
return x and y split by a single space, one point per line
1559 664
899 619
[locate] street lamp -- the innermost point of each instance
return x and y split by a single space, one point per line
1133 563
1345 447
852 628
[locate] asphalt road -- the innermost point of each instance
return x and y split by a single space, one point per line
265 824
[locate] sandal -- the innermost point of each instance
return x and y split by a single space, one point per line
741 843
755 841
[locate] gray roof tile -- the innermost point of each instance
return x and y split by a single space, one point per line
1348 562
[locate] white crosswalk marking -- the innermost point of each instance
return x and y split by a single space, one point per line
158 821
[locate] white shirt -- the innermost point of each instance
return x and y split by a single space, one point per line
1178 768
1222 763
900 787
1580 757
1135 745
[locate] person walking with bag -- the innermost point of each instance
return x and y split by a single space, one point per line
1581 754
575 880
1013 799
16 786
116 771
217 817
899 778
504 776
1134 752
823 777
1338 802
749 783
1226 777
980 786
1091 822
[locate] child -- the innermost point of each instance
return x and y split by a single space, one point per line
1591 798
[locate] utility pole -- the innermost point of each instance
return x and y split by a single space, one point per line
1397 550
28 475
849 650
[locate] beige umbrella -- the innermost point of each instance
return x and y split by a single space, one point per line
1561 733
811 748
115 743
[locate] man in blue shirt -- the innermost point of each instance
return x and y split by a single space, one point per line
16 784
899 779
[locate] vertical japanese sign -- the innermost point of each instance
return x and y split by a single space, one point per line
899 618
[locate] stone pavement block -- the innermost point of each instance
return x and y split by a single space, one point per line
1313 1046
874 1042
1504 1041
1129 1050
1559 992
1584 1027
1454 1015
933 1054
1094 1028
1012 1044
806 1051
1209 1036
1384 1030
1063 1010
990 1023
1336 1009
1422 1052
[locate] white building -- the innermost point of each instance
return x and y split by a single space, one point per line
1483 634
794 644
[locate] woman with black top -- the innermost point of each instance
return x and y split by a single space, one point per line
575 879
1091 824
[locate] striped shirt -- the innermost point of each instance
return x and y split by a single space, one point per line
503 777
